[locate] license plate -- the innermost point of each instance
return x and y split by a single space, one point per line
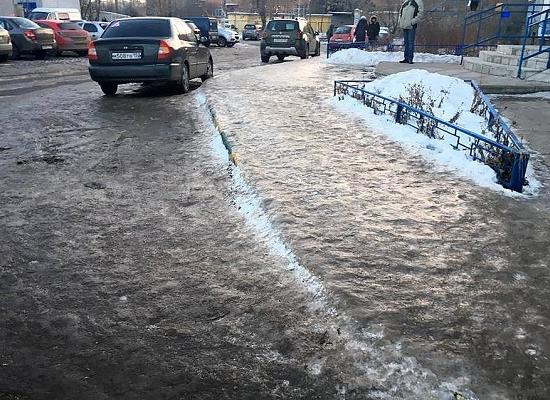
47 47
279 40
135 55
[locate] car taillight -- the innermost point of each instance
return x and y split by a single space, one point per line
165 52
29 35
92 52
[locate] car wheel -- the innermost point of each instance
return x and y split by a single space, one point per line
303 54
15 54
4 58
265 59
109 88
209 71
222 42
318 49
184 81
40 55
281 57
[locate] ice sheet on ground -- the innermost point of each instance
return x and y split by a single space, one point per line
451 96
356 57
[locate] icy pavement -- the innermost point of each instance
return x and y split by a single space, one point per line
449 278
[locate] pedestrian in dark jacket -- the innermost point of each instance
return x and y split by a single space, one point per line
373 30
330 32
361 30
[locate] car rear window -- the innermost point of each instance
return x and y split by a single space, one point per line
343 29
250 27
282 26
24 23
138 28
66 26
38 15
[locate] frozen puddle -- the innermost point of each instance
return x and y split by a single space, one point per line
372 365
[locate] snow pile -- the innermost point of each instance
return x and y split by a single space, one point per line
363 58
451 99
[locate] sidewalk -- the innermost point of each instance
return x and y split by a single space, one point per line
488 83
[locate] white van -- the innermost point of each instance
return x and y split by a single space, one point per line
62 14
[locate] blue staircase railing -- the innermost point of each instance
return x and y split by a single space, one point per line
505 154
541 22
498 25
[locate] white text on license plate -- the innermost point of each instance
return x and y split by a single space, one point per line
136 55
279 40
47 47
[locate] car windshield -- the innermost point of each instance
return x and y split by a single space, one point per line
24 23
343 29
138 28
66 26
38 15
282 26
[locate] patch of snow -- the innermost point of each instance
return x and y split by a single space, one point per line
450 95
361 58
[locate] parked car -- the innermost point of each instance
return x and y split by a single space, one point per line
68 36
94 28
252 31
286 37
227 37
28 37
194 28
208 27
58 14
343 34
148 49
5 45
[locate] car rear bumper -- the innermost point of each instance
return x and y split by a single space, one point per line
73 47
135 73
34 47
5 49
290 51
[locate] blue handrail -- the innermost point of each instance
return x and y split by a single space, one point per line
531 21
509 160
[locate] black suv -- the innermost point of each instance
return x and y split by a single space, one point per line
150 49
289 37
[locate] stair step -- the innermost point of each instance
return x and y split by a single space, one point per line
507 59
484 67
515 49
543 76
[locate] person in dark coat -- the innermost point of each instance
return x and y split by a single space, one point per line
330 32
373 30
361 30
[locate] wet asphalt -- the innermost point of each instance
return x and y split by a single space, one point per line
129 271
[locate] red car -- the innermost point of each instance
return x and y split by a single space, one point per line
343 34
68 36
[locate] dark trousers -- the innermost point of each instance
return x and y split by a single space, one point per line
408 38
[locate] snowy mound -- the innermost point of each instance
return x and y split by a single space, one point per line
448 98
363 58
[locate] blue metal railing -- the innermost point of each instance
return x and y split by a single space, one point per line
504 154
540 20
496 25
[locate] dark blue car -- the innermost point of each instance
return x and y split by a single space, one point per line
208 27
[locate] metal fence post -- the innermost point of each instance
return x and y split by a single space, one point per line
398 113
519 168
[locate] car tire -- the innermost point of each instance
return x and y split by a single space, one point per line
15 54
40 55
281 57
108 88
3 58
265 59
209 72
184 81
222 42
304 54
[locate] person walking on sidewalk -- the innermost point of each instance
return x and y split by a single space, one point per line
410 14
373 30
361 30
